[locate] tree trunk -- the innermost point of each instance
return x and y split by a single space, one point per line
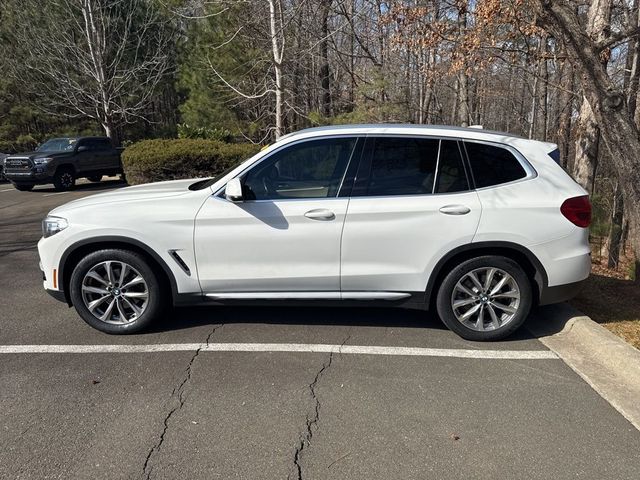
324 58
277 52
463 80
565 100
588 133
615 234
587 145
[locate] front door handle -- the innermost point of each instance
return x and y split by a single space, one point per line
455 209
320 214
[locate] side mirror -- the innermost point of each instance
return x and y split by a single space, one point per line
82 148
233 190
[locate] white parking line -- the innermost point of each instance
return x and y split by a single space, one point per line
7 190
286 347
57 193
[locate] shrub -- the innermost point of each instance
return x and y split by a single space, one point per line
214 133
157 160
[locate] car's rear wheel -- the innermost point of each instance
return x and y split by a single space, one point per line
95 178
116 291
24 187
485 298
64 179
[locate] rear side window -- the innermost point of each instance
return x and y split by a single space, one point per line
451 174
96 144
493 165
403 166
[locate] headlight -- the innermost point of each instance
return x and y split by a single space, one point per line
52 225
42 161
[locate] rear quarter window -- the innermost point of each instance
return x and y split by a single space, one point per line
493 165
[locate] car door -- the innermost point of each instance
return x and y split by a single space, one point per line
106 157
284 236
411 204
83 156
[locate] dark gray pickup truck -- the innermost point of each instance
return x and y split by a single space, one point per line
61 161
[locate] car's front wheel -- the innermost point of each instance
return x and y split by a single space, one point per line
485 298
116 291
64 179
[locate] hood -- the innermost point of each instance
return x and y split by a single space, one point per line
148 191
32 155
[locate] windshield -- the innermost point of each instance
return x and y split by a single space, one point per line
58 145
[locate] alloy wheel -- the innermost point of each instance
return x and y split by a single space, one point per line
485 299
115 292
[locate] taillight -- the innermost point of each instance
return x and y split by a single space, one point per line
577 210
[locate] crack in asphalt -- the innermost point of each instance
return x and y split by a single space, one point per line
179 392
312 420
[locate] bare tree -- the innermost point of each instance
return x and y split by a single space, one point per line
103 64
608 102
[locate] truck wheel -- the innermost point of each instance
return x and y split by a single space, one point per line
94 178
24 187
64 179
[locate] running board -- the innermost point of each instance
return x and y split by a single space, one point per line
309 296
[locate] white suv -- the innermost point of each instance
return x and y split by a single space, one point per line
477 225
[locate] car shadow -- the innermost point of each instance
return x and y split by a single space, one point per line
189 317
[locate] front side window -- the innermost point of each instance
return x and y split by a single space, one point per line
403 166
311 169
493 165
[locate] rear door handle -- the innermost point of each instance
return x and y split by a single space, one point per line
320 214
455 210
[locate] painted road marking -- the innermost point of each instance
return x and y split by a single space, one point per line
287 347
7 190
57 193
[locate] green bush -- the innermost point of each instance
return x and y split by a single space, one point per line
220 134
157 160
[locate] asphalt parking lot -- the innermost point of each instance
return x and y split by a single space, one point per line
270 393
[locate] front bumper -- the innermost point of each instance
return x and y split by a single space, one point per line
33 176
58 295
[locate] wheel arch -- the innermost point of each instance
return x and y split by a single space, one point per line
65 166
78 250
522 255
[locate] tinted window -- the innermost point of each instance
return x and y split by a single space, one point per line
493 165
96 144
451 176
312 169
403 166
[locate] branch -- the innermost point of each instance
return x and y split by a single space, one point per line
616 38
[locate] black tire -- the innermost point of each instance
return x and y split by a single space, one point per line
24 187
64 179
95 178
445 299
156 295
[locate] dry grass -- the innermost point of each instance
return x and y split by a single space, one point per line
613 300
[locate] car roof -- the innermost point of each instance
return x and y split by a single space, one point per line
402 127
466 133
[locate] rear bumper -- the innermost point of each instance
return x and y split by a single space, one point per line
560 293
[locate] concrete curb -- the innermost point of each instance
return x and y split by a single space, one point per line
607 363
